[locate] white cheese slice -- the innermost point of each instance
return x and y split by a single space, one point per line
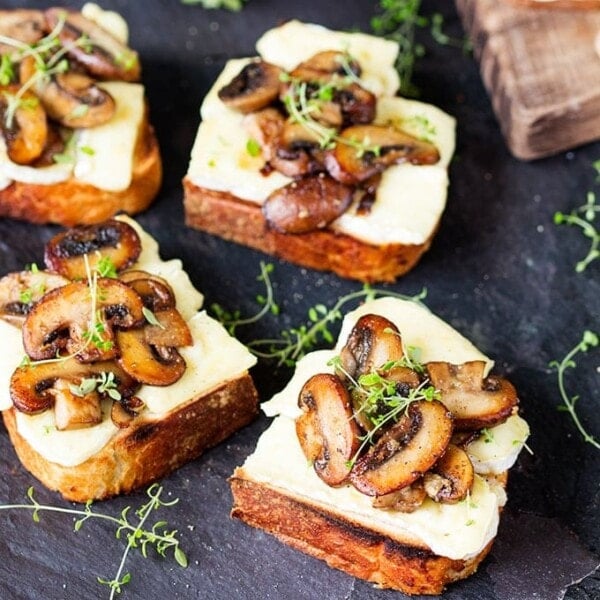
215 358
498 449
11 338
456 531
104 154
294 42
110 20
10 171
453 530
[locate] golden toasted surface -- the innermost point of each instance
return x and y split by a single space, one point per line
234 219
150 448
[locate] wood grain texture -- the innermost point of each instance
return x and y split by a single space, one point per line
542 72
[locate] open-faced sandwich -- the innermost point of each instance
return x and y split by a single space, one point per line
76 144
304 152
111 378
388 455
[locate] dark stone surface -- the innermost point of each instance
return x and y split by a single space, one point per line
499 271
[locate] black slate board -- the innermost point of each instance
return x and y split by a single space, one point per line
499 271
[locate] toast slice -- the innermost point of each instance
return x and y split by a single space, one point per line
133 436
76 143
290 186
417 549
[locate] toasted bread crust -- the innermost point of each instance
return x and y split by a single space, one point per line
237 220
367 554
149 448
74 203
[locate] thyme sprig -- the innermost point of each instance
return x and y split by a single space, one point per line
588 340
137 533
233 320
295 342
398 20
583 217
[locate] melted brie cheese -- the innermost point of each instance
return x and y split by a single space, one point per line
410 198
110 20
105 153
214 358
294 42
457 531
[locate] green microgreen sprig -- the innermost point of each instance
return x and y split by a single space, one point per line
380 398
589 340
583 217
104 383
137 533
398 20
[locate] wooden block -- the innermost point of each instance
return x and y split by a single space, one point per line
541 68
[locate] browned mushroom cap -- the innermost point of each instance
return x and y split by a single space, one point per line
21 25
405 451
406 500
20 291
253 88
373 342
31 386
326 431
451 478
25 130
73 99
307 204
103 55
112 239
475 402
364 150
155 292
323 66
124 411
153 364
80 320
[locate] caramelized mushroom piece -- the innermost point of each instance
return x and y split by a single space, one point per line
374 346
26 131
373 342
22 25
32 386
103 55
253 88
405 500
155 292
326 430
113 239
124 411
68 319
475 402
153 364
405 451
451 478
307 204
265 126
323 66
365 150
20 291
71 98
74 411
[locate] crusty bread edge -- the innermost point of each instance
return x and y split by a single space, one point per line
388 562
72 202
150 448
229 217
